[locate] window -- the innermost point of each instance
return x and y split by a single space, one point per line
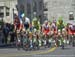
34 6
1 14
40 5
22 8
45 6
71 17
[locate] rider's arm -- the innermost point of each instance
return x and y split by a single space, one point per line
32 23
39 25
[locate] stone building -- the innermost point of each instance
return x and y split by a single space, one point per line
7 9
45 9
57 8
30 7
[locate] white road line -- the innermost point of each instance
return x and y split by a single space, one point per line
54 55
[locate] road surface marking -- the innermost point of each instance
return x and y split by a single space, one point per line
28 54
54 55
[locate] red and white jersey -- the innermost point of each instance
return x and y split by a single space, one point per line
46 28
18 24
71 29
54 27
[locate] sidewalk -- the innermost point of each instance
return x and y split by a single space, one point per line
7 45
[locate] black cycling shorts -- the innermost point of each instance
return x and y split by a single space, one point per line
26 25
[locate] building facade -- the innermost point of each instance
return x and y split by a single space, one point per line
7 10
44 9
57 8
30 7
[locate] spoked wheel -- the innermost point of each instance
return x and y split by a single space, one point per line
26 47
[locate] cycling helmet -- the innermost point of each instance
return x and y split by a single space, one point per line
35 19
54 21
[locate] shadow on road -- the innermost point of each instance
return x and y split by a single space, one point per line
66 48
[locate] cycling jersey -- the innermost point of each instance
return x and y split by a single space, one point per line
71 29
54 27
46 29
36 24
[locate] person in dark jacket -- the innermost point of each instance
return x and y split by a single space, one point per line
5 33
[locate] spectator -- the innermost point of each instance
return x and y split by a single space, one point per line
5 32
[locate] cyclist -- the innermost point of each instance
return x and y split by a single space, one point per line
36 24
27 23
46 32
46 28
60 25
54 27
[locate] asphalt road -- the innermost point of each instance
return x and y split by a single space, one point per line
69 51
